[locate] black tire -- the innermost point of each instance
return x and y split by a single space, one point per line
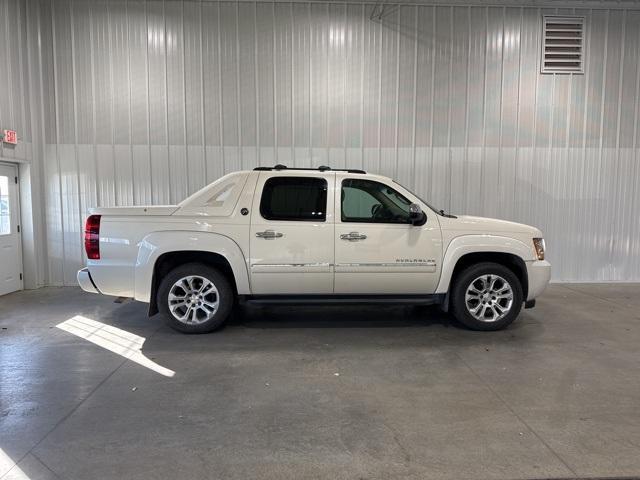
463 281
224 296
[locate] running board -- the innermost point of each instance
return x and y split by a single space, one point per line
434 299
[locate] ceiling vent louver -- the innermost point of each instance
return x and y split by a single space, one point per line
562 44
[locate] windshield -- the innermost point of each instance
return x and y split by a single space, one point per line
437 210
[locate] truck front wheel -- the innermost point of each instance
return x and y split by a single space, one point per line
486 296
195 298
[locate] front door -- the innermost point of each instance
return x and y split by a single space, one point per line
10 244
378 250
291 246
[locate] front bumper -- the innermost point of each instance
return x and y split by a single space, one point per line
86 282
539 274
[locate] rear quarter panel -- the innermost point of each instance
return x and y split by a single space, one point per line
130 244
129 247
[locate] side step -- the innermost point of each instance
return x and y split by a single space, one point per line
434 299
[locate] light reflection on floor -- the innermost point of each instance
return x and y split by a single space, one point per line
9 470
116 340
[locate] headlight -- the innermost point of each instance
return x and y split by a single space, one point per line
538 245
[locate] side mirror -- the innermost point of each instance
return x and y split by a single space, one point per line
416 215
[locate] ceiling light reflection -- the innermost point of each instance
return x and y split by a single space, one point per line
337 36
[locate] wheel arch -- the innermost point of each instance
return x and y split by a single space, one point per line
161 251
509 260
170 260
472 249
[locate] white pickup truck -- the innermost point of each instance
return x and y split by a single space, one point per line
293 235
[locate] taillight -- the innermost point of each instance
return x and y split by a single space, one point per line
92 237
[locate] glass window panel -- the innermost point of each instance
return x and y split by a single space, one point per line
221 196
294 199
373 202
5 207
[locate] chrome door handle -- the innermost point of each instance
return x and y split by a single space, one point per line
268 234
353 236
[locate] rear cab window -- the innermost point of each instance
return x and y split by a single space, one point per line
293 198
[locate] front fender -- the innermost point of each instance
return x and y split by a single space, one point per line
158 243
466 244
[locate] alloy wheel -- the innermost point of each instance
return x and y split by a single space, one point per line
489 298
193 300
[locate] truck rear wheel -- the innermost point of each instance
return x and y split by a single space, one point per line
486 296
195 298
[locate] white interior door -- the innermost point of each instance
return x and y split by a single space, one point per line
10 242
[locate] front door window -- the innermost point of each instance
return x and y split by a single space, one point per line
367 201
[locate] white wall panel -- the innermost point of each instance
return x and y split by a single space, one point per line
141 164
214 162
145 101
160 181
15 98
54 217
86 155
178 175
124 182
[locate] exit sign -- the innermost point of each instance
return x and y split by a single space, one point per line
10 136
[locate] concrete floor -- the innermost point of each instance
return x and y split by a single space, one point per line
324 393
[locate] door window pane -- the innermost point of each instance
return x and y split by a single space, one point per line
294 198
356 203
5 210
373 202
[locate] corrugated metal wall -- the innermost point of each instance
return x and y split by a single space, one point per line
20 110
150 100
14 88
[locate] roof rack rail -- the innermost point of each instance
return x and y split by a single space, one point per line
321 168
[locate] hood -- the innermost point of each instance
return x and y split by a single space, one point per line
485 225
143 211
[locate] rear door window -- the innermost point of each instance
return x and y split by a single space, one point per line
302 199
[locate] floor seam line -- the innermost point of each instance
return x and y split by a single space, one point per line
71 412
63 419
513 412
45 465
74 409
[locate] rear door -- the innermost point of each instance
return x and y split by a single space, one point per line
378 250
291 243
10 243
